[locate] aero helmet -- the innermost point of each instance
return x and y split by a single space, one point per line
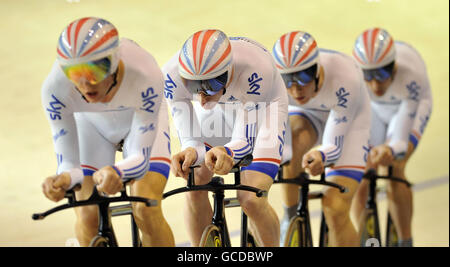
374 48
295 51
88 46
205 55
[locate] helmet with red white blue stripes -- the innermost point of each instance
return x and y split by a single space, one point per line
374 48
88 39
295 51
205 55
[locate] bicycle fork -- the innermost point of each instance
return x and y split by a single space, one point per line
105 228
219 217
305 235
372 223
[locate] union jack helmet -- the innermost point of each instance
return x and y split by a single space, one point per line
205 55
88 39
295 51
374 48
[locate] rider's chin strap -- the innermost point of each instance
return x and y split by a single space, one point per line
114 82
316 80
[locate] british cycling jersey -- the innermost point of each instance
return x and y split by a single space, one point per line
257 96
340 115
402 113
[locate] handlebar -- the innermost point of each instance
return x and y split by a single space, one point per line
371 174
216 183
304 180
95 199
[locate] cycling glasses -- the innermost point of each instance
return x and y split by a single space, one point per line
93 71
301 77
208 87
380 74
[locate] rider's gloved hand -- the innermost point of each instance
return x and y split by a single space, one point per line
55 186
313 163
381 155
181 162
108 180
218 161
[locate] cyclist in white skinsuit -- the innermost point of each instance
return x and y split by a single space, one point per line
328 106
102 91
240 107
396 78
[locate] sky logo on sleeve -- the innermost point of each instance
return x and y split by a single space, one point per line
147 99
54 108
342 97
169 85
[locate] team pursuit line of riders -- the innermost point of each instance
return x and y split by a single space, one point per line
319 109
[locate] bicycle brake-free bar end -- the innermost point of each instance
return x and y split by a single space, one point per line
37 217
151 203
262 193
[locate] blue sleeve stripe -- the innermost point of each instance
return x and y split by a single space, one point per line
137 167
141 168
336 153
413 139
243 153
240 149
146 154
137 173
249 131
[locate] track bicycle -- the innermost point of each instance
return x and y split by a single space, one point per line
216 234
369 223
299 231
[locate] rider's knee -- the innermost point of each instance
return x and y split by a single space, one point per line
250 203
334 204
147 215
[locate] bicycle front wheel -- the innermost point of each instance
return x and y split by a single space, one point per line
211 237
370 229
251 241
99 241
391 233
297 235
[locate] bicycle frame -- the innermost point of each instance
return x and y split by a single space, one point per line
371 204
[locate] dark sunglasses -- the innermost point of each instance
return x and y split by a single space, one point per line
380 74
208 87
301 77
